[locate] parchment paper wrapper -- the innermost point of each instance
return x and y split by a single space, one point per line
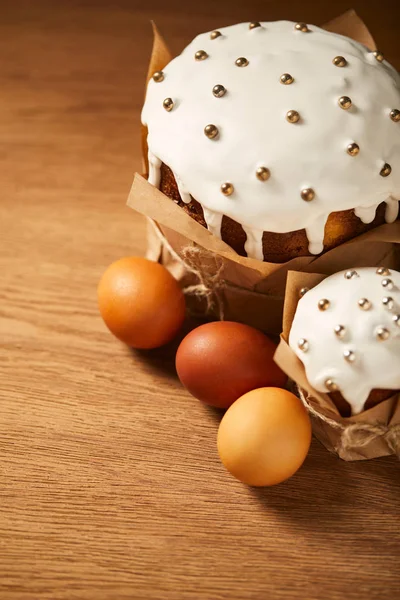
372 433
218 282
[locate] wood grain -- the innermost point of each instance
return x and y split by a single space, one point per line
110 484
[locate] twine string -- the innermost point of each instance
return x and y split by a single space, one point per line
358 435
210 283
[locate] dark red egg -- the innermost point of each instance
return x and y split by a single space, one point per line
219 362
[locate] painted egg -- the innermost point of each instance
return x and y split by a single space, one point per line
140 302
264 437
219 362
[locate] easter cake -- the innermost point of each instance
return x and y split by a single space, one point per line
346 332
281 138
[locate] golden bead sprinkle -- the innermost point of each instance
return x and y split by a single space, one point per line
323 304
386 170
364 304
241 62
301 27
396 320
351 274
349 355
200 55
340 331
395 115
286 79
331 385
384 271
303 345
168 104
382 334
254 25
158 76
345 102
211 131
292 116
307 194
353 149
340 61
215 34
227 189
388 302
303 291
219 90
378 55
387 284
263 174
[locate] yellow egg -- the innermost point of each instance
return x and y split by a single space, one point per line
264 436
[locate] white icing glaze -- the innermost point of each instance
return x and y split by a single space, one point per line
213 221
183 192
377 363
154 169
253 130
253 245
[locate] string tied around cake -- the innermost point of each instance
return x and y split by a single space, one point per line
357 435
210 283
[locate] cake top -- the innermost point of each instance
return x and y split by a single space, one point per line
277 125
346 332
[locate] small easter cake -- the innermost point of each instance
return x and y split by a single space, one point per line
281 138
346 332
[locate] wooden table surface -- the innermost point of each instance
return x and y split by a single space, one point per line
110 483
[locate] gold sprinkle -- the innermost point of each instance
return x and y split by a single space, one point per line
349 355
364 304
383 271
254 25
263 174
219 91
211 131
307 194
227 189
331 385
286 79
200 55
241 62
378 55
395 115
303 291
339 61
345 102
351 274
292 116
301 27
353 149
382 334
215 34
340 331
158 76
387 283
396 320
323 304
386 170
303 345
168 104
388 302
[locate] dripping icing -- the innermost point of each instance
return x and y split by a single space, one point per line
213 221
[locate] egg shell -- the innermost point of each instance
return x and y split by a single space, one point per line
264 437
140 302
219 362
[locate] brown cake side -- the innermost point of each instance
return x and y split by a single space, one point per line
278 247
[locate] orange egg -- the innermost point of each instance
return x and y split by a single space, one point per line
264 436
140 302
218 362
